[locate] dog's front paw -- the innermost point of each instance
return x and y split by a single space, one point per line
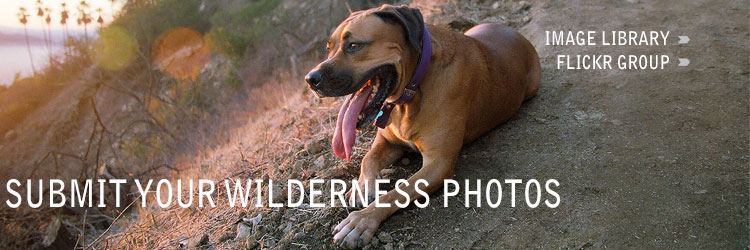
357 229
364 189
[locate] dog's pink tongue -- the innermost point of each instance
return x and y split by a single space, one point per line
346 123
338 141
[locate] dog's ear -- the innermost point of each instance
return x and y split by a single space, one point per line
409 18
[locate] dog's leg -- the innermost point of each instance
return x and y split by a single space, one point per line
381 155
439 153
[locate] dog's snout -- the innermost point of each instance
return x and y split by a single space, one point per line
314 77
328 82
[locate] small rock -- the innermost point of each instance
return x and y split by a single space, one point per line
321 162
227 236
259 233
387 171
526 19
541 120
457 230
253 221
313 147
702 191
385 237
308 229
330 173
580 115
275 216
269 243
388 246
276 193
51 233
243 231
251 243
198 240
616 122
405 161
183 243
496 5
726 158
299 235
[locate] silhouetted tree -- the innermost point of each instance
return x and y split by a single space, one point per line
40 10
48 20
64 22
84 18
100 20
22 17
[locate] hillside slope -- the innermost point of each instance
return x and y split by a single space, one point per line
646 159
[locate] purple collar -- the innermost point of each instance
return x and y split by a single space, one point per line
411 88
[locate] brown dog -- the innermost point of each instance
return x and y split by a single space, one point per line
473 82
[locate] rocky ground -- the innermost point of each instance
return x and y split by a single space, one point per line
645 159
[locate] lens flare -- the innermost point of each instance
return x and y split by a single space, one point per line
180 53
115 48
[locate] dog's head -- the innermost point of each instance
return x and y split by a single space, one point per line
370 51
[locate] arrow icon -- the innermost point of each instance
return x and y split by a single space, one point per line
683 62
683 39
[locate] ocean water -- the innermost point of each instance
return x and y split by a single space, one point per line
14 58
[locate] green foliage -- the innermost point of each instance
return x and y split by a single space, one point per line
195 95
234 32
24 96
230 76
147 19
134 149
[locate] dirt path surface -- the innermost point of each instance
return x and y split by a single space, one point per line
645 159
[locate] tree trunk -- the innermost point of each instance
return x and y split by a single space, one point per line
28 46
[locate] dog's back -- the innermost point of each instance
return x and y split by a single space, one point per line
513 75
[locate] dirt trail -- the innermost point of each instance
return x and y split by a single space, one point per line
645 159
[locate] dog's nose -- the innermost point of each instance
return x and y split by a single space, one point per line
314 78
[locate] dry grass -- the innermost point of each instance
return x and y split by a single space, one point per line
270 146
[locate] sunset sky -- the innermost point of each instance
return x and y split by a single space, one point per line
9 12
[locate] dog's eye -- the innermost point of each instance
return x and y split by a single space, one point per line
352 47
